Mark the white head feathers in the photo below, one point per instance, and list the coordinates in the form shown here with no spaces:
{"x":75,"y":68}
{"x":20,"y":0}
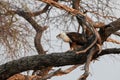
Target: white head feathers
{"x":64,"y":37}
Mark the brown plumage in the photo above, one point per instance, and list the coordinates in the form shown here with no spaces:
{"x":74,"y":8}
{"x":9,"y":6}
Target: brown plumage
{"x":75,"y":39}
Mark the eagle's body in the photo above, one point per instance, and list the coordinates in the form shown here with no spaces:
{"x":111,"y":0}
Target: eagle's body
{"x":75,"y":39}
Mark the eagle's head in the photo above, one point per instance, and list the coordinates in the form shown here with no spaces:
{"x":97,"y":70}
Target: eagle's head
{"x":64,"y":37}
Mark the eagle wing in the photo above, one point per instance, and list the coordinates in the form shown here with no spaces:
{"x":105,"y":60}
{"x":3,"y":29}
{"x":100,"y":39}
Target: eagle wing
{"x":77,"y":38}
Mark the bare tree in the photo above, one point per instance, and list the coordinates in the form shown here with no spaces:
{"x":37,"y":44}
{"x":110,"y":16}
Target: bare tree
{"x":29,"y":25}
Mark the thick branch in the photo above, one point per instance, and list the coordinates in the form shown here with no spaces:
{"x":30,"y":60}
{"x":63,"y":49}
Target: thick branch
{"x":30,"y":20}
{"x":39,"y":29}
{"x":37,"y":39}
{"x":37,"y":42}
{"x":109,"y":29}
{"x":60,"y":6}
{"x":42,"y":11}
{"x":55,"y":59}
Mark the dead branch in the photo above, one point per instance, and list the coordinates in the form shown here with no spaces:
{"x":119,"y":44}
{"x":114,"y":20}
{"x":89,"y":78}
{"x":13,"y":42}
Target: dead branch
{"x":76,"y":5}
{"x":54,"y":59}
{"x":60,"y":72}
{"x":68,"y":9}
{"x":50,"y":75}
{"x":109,"y":29}
{"x":117,"y":33}
{"x":42,"y":11}
{"x":60,"y":6}
{"x":113,"y":40}
{"x":63,"y":72}
{"x":92,"y":52}
{"x":37,"y":40}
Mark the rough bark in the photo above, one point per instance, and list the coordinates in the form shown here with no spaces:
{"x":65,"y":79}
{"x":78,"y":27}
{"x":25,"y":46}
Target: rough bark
{"x":55,"y":59}
{"x":109,"y":29}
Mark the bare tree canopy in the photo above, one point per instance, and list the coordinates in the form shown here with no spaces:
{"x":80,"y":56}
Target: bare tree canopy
{"x":30,"y":27}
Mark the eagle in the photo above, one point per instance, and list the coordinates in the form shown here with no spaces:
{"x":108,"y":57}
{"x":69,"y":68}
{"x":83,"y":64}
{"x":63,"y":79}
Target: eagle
{"x":76,"y":40}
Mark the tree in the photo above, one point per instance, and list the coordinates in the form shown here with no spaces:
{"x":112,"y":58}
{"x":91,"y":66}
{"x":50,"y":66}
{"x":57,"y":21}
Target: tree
{"x":22,"y":21}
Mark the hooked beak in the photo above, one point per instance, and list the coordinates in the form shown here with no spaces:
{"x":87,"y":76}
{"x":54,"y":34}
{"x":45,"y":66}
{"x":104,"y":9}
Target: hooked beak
{"x":58,"y":36}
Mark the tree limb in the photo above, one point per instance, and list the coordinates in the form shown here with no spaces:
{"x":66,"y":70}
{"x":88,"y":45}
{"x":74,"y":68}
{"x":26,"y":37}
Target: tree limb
{"x":109,"y":29}
{"x":55,"y":59}
{"x":37,"y":39}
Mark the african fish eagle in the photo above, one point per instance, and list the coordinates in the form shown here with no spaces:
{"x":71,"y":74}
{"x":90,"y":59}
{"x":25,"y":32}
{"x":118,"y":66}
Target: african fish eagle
{"x":75,"y":39}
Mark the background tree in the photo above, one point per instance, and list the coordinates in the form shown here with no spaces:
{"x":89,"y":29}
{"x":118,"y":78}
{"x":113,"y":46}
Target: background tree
{"x":31,"y":27}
